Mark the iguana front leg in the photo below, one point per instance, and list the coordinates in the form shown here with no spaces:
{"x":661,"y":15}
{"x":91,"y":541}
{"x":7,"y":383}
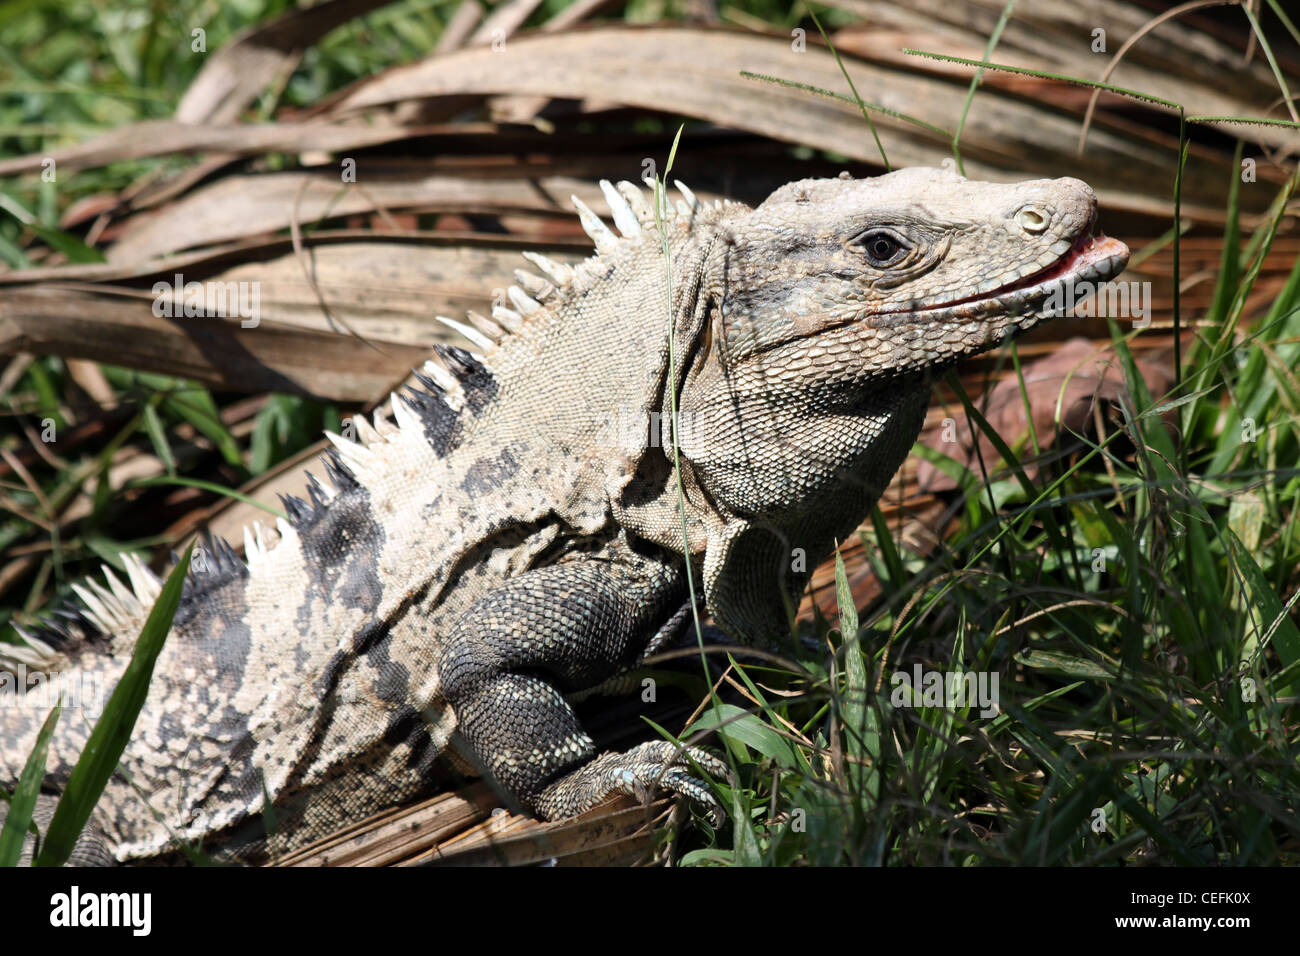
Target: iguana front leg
{"x":514,"y":654}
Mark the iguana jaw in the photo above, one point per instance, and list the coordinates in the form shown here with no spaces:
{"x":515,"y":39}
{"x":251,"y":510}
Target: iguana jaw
{"x":947,"y":332}
{"x":1091,"y":259}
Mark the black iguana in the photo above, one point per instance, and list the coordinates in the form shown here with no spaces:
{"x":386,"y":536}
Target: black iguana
{"x":513,"y":533}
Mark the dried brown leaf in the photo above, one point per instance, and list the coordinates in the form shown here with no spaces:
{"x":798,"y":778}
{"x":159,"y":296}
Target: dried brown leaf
{"x":236,"y":207}
{"x":387,"y":291}
{"x":236,"y":74}
{"x":695,"y":71}
{"x":168,"y":137}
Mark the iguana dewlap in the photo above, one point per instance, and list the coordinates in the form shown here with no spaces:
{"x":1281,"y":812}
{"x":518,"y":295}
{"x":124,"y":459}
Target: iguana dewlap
{"x":512,"y":532}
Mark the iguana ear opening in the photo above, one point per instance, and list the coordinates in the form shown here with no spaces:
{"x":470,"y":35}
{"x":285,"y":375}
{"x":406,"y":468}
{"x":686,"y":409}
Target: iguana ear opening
{"x":741,"y":562}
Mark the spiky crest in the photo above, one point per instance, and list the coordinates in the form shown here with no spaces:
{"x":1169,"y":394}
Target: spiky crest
{"x":452,"y":383}
{"x":632,"y":210}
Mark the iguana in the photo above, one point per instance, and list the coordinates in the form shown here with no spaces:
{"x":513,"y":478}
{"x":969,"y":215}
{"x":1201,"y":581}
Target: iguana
{"x":514,"y":533}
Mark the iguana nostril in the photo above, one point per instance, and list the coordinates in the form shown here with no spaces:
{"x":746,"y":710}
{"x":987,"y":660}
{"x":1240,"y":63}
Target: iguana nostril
{"x":1031,"y":219}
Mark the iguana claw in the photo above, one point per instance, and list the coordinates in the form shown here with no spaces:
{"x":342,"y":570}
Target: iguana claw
{"x":640,"y":772}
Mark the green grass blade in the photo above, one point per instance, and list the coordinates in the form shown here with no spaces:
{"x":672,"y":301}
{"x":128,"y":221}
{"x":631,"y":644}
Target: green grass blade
{"x":853,"y":89}
{"x":1047,"y":75}
{"x":70,"y":246}
{"x":1274,"y":617}
{"x":736,"y":726}
{"x":938,"y":131}
{"x":19,"y":819}
{"x":113,"y":729}
{"x":153,"y":426}
{"x":208,"y":486}
{"x":994,"y":37}
{"x":1225,"y":289}
{"x":895,"y":574}
{"x":196,"y":406}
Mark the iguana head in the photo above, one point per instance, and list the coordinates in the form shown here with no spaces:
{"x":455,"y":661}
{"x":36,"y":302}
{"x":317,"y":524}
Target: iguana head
{"x":830,"y":308}
{"x":922,"y":265}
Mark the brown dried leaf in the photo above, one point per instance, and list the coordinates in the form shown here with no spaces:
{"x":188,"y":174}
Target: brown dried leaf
{"x":241,"y":206}
{"x":236,"y":74}
{"x":168,"y":137}
{"x":387,"y":291}
{"x":118,"y":326}
{"x":504,"y":21}
{"x":1178,"y":61}
{"x":695,"y":71}
{"x":459,"y":27}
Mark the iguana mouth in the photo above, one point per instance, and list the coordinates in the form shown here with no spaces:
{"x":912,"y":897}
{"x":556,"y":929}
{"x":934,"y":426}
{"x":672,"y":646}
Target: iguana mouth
{"x":1090,"y":259}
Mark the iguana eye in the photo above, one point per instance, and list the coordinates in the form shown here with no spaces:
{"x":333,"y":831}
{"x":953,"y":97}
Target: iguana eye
{"x":881,"y":248}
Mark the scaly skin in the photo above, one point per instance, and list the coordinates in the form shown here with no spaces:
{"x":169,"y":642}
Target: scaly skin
{"x":516,"y":535}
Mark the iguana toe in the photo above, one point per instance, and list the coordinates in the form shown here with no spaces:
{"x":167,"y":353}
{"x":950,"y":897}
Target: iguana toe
{"x":640,"y":772}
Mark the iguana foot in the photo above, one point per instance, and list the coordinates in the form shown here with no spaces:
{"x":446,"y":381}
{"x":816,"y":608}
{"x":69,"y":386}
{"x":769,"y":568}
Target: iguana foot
{"x":640,"y":772}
